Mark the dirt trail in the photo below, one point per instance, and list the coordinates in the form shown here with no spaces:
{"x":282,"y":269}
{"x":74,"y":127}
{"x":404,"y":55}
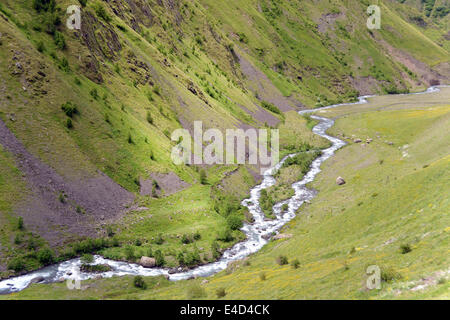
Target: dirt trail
{"x":98,"y":199}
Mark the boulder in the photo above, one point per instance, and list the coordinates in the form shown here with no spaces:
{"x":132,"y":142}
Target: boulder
{"x":357,"y":140}
{"x":340,"y":181}
{"x":147,"y":262}
{"x":37,"y":279}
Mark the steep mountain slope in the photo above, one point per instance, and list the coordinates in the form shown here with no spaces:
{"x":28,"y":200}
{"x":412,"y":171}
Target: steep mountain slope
{"x":93,"y":109}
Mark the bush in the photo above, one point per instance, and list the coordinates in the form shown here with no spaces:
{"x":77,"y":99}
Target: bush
{"x":44,"y":5}
{"x":20,"y":225}
{"x":101,"y":13}
{"x":186,"y":239}
{"x":69,"y":109}
{"x":159,"y":239}
{"x":225,"y":236}
{"x":45,"y":256}
{"x":16,"y":264}
{"x":149,"y":118}
{"x":96,"y":268}
{"x":40,"y":46}
{"x":159,"y":257}
{"x":87,"y":258}
{"x":282,"y":260}
{"x":234,"y":222}
{"x":262,"y":276}
{"x":388,"y":274}
{"x":129,"y":253}
{"x":220,"y":292}
{"x":109,"y":231}
{"x":139,"y":282}
{"x":271,"y":107}
{"x":60,"y":41}
{"x":405,"y":248}
{"x":203,"y":179}
{"x":215,"y":250}
{"x":94,"y":93}
{"x":69,"y":123}
{"x":295,"y":263}
{"x":65,"y":65}
{"x":197,"y":236}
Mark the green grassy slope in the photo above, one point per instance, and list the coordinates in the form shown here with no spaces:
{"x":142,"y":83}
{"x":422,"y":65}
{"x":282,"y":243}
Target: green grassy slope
{"x":395,"y":196}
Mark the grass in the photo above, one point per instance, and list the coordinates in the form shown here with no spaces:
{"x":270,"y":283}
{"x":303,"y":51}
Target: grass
{"x":335,"y":238}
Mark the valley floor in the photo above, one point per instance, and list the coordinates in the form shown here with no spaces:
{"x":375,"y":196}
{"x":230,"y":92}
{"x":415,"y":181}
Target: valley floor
{"x":392,"y":212}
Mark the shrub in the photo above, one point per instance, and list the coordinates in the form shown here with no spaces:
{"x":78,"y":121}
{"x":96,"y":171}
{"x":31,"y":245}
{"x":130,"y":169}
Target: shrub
{"x":18,"y":239}
{"x":137,"y":243}
{"x":16,"y":264}
{"x":215,"y":250}
{"x":60,"y":41}
{"x":20,"y":225}
{"x":186,"y":239}
{"x":69,"y":123}
{"x":157,"y":90}
{"x":234,"y":222}
{"x":62,"y":197}
{"x":225,"y":235}
{"x":159,"y":257}
{"x":203,"y":179}
{"x":94,"y":93}
{"x":405,"y":248}
{"x":282,"y":260}
{"x":44,"y":5}
{"x":69,"y":109}
{"x":109,"y":231}
{"x":129,"y":253}
{"x":101,"y":13}
{"x":195,"y":291}
{"x":65,"y":65}
{"x":159,"y":239}
{"x":139,"y":282}
{"x":45,"y":256}
{"x":220,"y":292}
{"x":83,"y":2}
{"x":271,"y":107}
{"x":262,"y":276}
{"x":388,"y":274}
{"x":96,"y":268}
{"x":87,"y":258}
{"x":130,"y":138}
{"x":295,"y":263}
{"x":197,"y":236}
{"x":149,"y":118}
{"x":40,"y":46}
{"x":180,"y":259}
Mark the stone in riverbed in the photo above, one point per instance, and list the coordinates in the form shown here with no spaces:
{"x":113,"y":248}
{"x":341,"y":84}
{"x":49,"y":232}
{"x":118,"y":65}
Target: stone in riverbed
{"x":340,"y":181}
{"x":147,"y":262}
